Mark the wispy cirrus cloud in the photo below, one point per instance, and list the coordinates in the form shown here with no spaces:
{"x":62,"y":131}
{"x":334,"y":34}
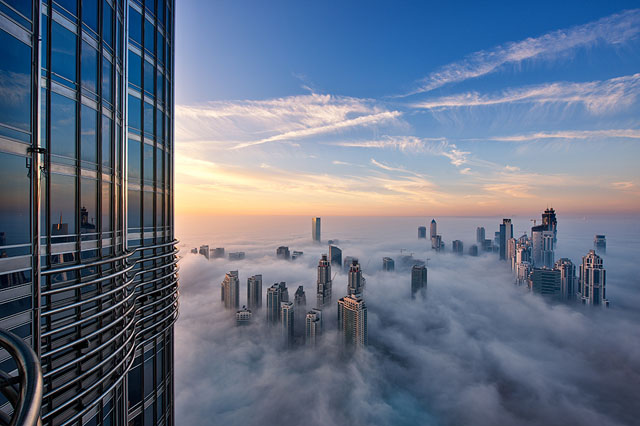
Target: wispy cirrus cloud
{"x":597,"y":96}
{"x":572,"y":135}
{"x":611,"y":30}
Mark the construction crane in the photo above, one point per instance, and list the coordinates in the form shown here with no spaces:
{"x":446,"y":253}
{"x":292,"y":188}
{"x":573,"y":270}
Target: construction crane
{"x":534,"y":221}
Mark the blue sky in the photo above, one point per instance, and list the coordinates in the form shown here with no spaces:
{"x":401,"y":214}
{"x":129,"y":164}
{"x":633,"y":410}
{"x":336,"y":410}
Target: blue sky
{"x":407,"y":108}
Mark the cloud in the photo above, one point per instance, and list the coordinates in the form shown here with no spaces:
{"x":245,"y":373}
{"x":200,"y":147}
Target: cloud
{"x":597,"y":97}
{"x":612,"y":30}
{"x":478,"y":350}
{"x":573,"y":135}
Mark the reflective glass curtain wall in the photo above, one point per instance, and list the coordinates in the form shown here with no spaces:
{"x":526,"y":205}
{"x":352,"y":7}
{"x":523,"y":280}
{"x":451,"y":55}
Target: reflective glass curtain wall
{"x":88,"y":271}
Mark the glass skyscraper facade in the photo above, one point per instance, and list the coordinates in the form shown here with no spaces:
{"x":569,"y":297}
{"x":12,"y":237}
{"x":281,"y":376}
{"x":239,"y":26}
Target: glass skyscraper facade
{"x":88,"y":272}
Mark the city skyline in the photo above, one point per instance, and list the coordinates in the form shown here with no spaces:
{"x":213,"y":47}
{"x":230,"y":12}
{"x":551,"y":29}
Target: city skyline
{"x":498,"y":123}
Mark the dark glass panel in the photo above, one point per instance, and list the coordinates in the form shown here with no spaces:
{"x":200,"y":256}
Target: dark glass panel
{"x":21,"y":6}
{"x":159,"y":126}
{"x":133,"y":159}
{"x":148,"y":377}
{"x":63,"y":126}
{"x":149,"y":36}
{"x":148,"y":209}
{"x":106,"y":207}
{"x":69,"y":5}
{"x":14,"y":208}
{"x":15,"y":86}
{"x":159,"y":209}
{"x":44,"y":52}
{"x":90,"y":14}
{"x":63,"y":201}
{"x":88,"y":205}
{"x":118,"y":38}
{"x":89,"y":134}
{"x":89,"y":67}
{"x":160,"y":48}
{"x":107,"y":79}
{"x":148,"y":118}
{"x":161,"y":9}
{"x":159,"y":86}
{"x":106,"y":141}
{"x":135,"y":69}
{"x":150,"y":5}
{"x":135,"y":385}
{"x":135,"y":113}
{"x":107,"y":20}
{"x":63,"y":52}
{"x":149,"y":73}
{"x":15,"y":306}
{"x":135,"y":26}
{"x":159,"y":168}
{"x":148,"y":163}
{"x":133,"y":216}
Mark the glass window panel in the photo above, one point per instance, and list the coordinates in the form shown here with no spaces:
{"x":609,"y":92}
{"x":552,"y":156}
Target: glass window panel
{"x":106,"y":207}
{"x":159,"y":126}
{"x":135,"y":112}
{"x":150,"y":5}
{"x":63,"y":201}
{"x":149,"y":73}
{"x":148,"y":414}
{"x":14,"y":208}
{"x":89,"y":134}
{"x":160,"y":47}
{"x":134,"y":159}
{"x":107,"y":79}
{"x":43,"y":117}
{"x":149,"y":36}
{"x":148,"y":377}
{"x":90,"y":14}
{"x":159,"y":167}
{"x":159,"y":86}
{"x":118,"y":149}
{"x":135,"y":69}
{"x":118,"y":38}
{"x":161,"y":12}
{"x":63,"y":126}
{"x":21,"y":6}
{"x":89,"y":67}
{"x":148,"y":209}
{"x":69,"y":5}
{"x":133,"y":216}
{"x":148,"y":118}
{"x":159,"y":209}
{"x":148,"y":163}
{"x":45,"y":42}
{"x":89,"y":205}
{"x":106,"y":141}
{"x":135,"y":385}
{"x":135,"y":26}
{"x":107,"y":20}
{"x":63,"y":52}
{"x":15,"y":86}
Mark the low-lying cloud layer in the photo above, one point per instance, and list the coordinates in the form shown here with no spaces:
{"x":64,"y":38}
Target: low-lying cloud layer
{"x":478,"y":350}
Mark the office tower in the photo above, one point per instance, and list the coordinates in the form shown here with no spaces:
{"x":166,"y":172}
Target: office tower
{"x":282,"y":252}
{"x":487,"y":245}
{"x":422,"y":232}
{"x":238,"y":255}
{"x":548,"y":240}
{"x":511,"y":251}
{"x":323,"y":283}
{"x":545,"y":281}
{"x":81,"y":128}
{"x":567,"y":278}
{"x":274,"y":297}
{"x":356,"y":281}
{"x":315,"y":229}
{"x":287,"y":316}
{"x":296,"y":254}
{"x":348,"y":260}
{"x":299,"y":297}
{"x":522,"y":272}
{"x":542,"y":247}
{"x":254,"y":292}
{"x":194,"y":251}
{"x":388,"y":264}
{"x":335,"y":255}
{"x":418,"y":280}
{"x":352,"y":321}
{"x":433,"y":229}
{"x":458,"y":247}
{"x":313,"y":326}
{"x":218,"y":252}
{"x":437,"y":244}
{"x":551,"y":223}
{"x":473,"y":250}
{"x":230,"y":289}
{"x":243,"y":316}
{"x":592,"y":281}
{"x":480,"y":235}
{"x":600,"y":244}
{"x":300,"y":303}
{"x":506,"y":233}
{"x":204,"y":250}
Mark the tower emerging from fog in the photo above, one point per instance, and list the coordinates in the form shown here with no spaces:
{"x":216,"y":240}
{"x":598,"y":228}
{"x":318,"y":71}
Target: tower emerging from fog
{"x":352,"y":321}
{"x":480,"y":235}
{"x":356,"y":281}
{"x":506,"y":233}
{"x":313,"y":326}
{"x":276,"y":294}
{"x":388,"y":264}
{"x":593,"y":280}
{"x":287,"y":319}
{"x":335,"y":256}
{"x":600,"y":244}
{"x":230,"y":290}
{"x":315,"y":229}
{"x":418,"y":280}
{"x":323,"y":284}
{"x":422,"y":232}
{"x":567,"y":278}
{"x":433,"y":229}
{"x":254,"y":292}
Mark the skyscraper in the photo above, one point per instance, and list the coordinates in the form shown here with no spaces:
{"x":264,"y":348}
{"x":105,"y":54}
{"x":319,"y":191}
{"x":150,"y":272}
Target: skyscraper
{"x":86,"y":158}
{"x":254,"y":292}
{"x":335,"y":255}
{"x":600,"y":244}
{"x":282,"y":252}
{"x":480,"y":235}
{"x":457,"y":247}
{"x":243,"y":316}
{"x":323,"y":284}
{"x":348,"y":260}
{"x":418,"y":280}
{"x":593,"y":280}
{"x":300,"y":298}
{"x":545,"y":281}
{"x":313,"y":326}
{"x":287,"y":319}
{"x":204,"y":250}
{"x":567,"y":278}
{"x":274,"y":297}
{"x":422,"y":232}
{"x":352,"y":321}
{"x":550,"y":221}
{"x":388,"y":264}
{"x":433,"y":229}
{"x":473,"y":250}
{"x":356,"y":281}
{"x":315,"y":229}
{"x":230,"y":289}
{"x":506,"y":232}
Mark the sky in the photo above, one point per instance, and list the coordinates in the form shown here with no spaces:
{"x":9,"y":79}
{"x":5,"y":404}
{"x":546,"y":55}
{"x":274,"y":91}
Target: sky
{"x":476,"y":350}
{"x":407,"y":108}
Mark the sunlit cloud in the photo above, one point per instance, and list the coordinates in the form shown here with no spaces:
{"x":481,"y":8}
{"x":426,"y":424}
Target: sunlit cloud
{"x":612,"y":30}
{"x":572,"y":135}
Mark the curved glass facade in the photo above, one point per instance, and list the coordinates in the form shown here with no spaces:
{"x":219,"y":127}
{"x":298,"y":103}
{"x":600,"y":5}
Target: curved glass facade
{"x":88,"y":271}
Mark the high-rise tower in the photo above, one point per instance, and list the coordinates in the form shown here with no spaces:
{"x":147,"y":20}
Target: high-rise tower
{"x":593,"y":280}
{"x":230,"y":290}
{"x":352,"y":321}
{"x":86,"y":158}
{"x":418,"y":280}
{"x":254,"y":292}
{"x":313,"y":326}
{"x":480,"y":235}
{"x":506,"y":233}
{"x":315,"y":229}
{"x":287,"y":320}
{"x":356,"y":281}
{"x":276,"y":294}
{"x":323,"y":284}
{"x":335,"y":256}
{"x":567,"y":278}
